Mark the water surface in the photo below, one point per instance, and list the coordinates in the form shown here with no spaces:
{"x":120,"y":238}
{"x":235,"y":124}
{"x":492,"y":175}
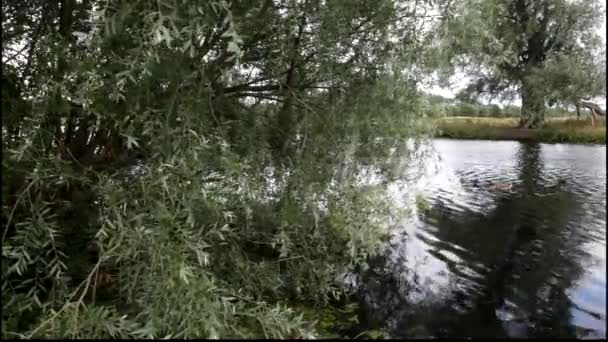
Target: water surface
{"x":485,"y":263}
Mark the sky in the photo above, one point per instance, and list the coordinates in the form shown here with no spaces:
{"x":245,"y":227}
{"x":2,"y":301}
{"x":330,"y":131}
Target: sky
{"x":460,"y":80}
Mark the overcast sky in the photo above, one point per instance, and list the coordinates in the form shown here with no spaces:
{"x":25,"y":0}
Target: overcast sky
{"x":460,"y":80}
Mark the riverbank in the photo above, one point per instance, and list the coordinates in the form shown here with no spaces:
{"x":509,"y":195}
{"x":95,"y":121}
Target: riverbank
{"x":555,"y":130}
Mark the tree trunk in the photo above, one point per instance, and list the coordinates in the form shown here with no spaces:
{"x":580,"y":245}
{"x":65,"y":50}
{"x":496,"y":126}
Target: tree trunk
{"x":532,"y":106}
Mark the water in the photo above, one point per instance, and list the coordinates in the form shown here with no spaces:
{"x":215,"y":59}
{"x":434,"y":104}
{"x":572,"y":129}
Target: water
{"x":485,"y":263}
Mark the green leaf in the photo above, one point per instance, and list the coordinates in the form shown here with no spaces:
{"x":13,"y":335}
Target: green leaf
{"x":375,"y":334}
{"x":131,"y":141}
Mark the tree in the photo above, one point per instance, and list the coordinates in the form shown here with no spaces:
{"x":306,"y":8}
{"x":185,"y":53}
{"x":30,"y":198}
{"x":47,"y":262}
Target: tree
{"x":495,"y":111}
{"x":514,"y":46}
{"x":572,"y":79}
{"x":207,"y":154}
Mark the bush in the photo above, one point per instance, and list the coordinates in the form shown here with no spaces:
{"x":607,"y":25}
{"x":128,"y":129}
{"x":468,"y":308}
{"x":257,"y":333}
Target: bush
{"x":495,"y":111}
{"x":466,"y":109}
{"x":151,"y":189}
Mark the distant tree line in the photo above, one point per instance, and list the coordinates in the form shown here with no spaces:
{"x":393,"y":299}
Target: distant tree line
{"x":436,"y":105}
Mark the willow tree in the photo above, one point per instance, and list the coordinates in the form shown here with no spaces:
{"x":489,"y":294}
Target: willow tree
{"x":511,"y":46}
{"x":572,"y":80}
{"x":205,"y":155}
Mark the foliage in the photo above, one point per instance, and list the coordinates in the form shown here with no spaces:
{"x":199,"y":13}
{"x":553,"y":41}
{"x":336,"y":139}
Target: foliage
{"x":495,"y":111}
{"x":572,"y":78}
{"x":422,"y":204}
{"x":186,"y":168}
{"x":556,"y":130}
{"x":529,"y":48}
{"x":440,"y":106}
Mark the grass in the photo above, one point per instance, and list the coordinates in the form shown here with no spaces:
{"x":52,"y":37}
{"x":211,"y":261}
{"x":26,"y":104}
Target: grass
{"x":555,"y":130}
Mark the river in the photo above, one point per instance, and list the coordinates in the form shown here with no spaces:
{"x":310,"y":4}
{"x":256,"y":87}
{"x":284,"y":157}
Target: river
{"x":477,"y":262}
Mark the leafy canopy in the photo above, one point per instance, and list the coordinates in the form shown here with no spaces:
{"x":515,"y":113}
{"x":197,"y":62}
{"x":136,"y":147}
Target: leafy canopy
{"x":193,"y":168}
{"x":539,"y":50}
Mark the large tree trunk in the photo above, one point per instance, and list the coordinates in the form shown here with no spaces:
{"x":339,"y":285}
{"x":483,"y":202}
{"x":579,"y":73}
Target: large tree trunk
{"x":532,"y":106}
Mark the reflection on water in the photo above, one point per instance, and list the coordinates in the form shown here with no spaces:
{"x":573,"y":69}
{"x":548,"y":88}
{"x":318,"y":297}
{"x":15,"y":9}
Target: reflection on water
{"x":484,"y":263}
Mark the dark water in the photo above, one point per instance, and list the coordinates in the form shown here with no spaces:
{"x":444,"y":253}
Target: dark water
{"x":485,"y":263}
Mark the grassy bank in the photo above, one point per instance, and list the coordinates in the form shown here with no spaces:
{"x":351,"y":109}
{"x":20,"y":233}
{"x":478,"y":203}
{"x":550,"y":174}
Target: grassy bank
{"x":564,"y":129}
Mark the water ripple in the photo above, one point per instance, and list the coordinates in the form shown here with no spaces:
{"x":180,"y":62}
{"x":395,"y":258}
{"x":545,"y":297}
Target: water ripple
{"x":531,"y":260}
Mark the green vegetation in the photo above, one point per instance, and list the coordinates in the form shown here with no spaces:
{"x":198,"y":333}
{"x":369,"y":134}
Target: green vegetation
{"x":192,"y":169}
{"x":435,"y":105}
{"x":458,"y":119}
{"x":555,"y":130}
{"x":422,"y":204}
{"x":331,"y":322}
{"x":544,"y":51}
{"x":189,"y":169}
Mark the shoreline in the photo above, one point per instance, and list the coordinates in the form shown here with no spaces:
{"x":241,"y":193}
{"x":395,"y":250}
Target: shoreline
{"x":556,"y":130}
